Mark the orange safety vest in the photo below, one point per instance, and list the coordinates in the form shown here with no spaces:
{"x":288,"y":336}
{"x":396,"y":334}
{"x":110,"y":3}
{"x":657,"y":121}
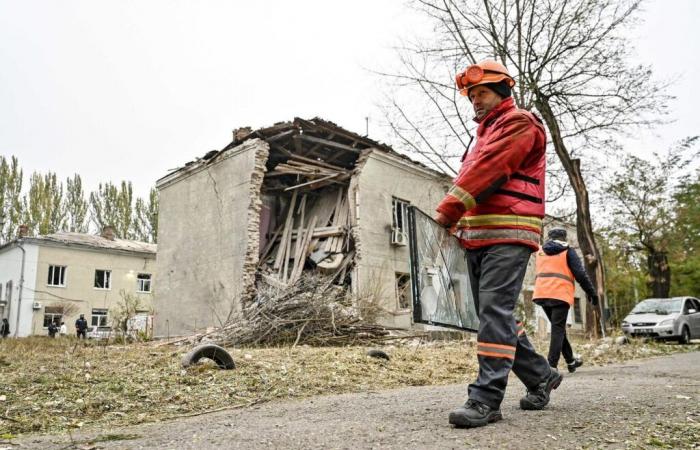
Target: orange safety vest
{"x":554,"y":279}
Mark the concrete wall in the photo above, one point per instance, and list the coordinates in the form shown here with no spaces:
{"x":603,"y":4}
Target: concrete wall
{"x":80,"y":281}
{"x":382,"y":178}
{"x":19,"y":315}
{"x":203,"y":243}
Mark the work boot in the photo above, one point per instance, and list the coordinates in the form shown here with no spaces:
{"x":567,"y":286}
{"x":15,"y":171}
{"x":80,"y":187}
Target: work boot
{"x":577,"y":362}
{"x":474,"y":414}
{"x":539,"y":397}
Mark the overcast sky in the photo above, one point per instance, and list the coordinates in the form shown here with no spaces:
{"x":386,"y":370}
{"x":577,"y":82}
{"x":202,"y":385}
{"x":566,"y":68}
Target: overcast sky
{"x":118,"y":90}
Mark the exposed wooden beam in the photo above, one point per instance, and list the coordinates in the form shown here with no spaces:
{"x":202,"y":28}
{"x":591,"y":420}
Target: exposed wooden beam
{"x":328,"y":143}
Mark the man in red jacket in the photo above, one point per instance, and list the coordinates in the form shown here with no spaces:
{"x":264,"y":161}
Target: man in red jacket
{"x":495,"y":207}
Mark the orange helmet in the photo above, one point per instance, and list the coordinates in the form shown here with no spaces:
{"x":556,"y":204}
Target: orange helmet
{"x":487,"y":71}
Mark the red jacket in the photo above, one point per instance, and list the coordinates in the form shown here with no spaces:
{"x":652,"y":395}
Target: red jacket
{"x":498,"y":195}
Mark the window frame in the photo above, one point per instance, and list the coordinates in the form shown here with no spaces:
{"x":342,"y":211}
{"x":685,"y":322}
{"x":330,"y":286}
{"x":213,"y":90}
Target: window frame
{"x":100,"y":317}
{"x":399,"y":207}
{"x":400,"y":277}
{"x":62,"y":276}
{"x":140,"y":282}
{"x":53,"y":315}
{"x":107,"y":276}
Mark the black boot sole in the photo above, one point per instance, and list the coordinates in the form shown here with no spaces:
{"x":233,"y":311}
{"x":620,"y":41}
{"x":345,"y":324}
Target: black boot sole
{"x":459,"y":421}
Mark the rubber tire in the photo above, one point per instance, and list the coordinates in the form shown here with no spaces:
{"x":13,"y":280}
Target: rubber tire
{"x":219,"y":355}
{"x":375,"y":353}
{"x":685,"y":336}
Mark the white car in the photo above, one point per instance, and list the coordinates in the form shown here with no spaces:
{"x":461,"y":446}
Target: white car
{"x":99,"y":332}
{"x":676,"y":318}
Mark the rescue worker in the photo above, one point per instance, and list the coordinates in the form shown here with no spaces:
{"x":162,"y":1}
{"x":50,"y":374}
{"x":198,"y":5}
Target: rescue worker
{"x":81,"y":326}
{"x":557,"y":266}
{"x":495,"y":207}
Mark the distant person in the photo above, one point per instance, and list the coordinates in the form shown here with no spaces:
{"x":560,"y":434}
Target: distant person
{"x":63,"y":331}
{"x":4,"y":328}
{"x":81,"y":327}
{"x":53,"y":329}
{"x":557,"y":267}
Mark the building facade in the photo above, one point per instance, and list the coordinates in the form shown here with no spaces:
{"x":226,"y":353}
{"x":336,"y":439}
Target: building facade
{"x":57,"y":277}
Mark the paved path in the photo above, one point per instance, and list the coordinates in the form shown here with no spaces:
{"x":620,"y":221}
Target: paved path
{"x":616,"y":406}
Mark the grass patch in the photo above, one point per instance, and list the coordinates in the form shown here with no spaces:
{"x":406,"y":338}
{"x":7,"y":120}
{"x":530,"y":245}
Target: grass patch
{"x":53,"y":385}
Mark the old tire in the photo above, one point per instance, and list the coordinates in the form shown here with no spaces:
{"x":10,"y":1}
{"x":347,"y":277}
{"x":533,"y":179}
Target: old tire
{"x":685,"y":336}
{"x":219,"y":355}
{"x":375,"y":353}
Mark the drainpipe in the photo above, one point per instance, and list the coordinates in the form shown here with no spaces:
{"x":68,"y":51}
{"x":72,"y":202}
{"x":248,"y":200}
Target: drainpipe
{"x":21,"y":287}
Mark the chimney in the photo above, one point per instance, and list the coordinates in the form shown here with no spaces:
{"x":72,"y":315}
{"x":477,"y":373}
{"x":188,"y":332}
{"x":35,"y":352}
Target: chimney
{"x":108,"y":232}
{"x":22,"y":231}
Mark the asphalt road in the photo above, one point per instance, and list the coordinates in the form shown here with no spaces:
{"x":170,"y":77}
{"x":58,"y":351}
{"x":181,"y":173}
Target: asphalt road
{"x":643,"y":403}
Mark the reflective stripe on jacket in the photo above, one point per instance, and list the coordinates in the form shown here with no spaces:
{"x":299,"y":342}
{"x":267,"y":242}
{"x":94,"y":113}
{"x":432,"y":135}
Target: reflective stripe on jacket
{"x":498,"y":195}
{"x":553,"y":278}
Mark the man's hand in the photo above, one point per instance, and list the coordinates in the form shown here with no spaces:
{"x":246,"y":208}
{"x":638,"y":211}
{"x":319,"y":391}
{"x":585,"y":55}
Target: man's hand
{"x":593,"y":299}
{"x":442,"y":220}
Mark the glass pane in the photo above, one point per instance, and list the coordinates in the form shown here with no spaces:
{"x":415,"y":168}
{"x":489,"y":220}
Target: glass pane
{"x":440,"y":282}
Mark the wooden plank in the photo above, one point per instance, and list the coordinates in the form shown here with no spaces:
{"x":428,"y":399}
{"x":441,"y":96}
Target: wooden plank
{"x":304,"y":251}
{"x":310,"y":182}
{"x":316,"y":163}
{"x":281,"y":135}
{"x":287,"y":231}
{"x":319,"y":232}
{"x":327,"y":143}
{"x":269,"y":245}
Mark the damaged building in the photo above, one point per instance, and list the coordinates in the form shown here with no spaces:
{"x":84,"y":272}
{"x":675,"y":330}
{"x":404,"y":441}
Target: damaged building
{"x":281,"y":202}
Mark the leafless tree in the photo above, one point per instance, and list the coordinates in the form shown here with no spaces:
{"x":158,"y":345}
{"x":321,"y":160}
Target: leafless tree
{"x":570,"y":60}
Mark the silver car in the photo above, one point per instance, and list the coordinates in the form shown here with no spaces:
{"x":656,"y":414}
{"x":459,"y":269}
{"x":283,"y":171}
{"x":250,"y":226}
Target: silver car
{"x":676,"y":318}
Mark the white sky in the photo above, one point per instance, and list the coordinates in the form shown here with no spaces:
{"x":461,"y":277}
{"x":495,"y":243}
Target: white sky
{"x":118,"y":90}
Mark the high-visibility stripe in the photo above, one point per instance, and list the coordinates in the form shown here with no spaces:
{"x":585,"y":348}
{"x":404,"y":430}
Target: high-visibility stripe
{"x":488,"y":234}
{"x":463,"y":196}
{"x":495,"y":350}
{"x":509,"y":220}
{"x":495,"y":355}
{"x":499,"y":346}
{"x":555,"y":275}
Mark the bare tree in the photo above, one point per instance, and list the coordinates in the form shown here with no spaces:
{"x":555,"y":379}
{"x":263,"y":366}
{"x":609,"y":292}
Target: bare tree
{"x":570,"y":62}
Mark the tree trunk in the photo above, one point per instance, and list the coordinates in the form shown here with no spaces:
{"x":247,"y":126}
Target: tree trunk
{"x":659,"y":274}
{"x":584,"y":228}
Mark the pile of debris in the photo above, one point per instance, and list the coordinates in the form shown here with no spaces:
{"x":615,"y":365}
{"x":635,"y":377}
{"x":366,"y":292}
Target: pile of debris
{"x":313,"y":311}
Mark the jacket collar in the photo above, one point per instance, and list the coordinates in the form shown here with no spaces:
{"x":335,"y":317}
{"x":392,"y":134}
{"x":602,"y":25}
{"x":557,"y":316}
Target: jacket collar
{"x":506,"y":105}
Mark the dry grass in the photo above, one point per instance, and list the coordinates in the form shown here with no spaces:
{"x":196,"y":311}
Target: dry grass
{"x":54,"y":385}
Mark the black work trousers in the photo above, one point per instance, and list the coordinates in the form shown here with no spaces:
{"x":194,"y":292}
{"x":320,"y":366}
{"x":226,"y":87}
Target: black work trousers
{"x":497,"y":274}
{"x":557,"y":311}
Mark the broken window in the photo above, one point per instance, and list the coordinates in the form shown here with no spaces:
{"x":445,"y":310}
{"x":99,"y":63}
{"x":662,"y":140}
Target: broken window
{"x":103,"y":279}
{"x":53,"y":314}
{"x":57,"y":276}
{"x":143,"y":282}
{"x":439,"y":276}
{"x":99,"y":317}
{"x":403,"y":290}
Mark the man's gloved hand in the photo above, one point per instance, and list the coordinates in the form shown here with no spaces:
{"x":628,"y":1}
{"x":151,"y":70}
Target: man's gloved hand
{"x":442,"y":220}
{"x":593,"y":299}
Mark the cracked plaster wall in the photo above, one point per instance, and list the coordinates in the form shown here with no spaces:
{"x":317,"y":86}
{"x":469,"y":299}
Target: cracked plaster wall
{"x":207,"y":246}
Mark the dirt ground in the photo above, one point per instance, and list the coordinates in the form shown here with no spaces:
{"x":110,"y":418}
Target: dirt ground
{"x":651,"y":403}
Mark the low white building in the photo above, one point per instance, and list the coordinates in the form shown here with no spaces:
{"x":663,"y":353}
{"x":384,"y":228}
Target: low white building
{"x":57,"y":277}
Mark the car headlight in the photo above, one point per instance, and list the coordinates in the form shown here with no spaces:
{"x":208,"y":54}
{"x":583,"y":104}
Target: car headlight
{"x":666,"y":322}
{"x":625,"y":324}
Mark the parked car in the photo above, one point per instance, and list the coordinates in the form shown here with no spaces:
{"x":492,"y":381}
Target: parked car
{"x":99,"y":332}
{"x":676,"y":318}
